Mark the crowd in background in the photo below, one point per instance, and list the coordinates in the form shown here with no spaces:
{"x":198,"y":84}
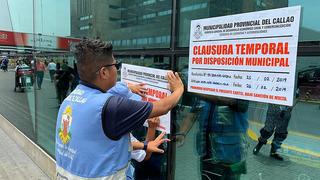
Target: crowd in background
{"x":63,"y":75}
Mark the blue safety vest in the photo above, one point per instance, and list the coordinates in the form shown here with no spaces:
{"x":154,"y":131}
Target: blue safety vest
{"x":226,"y":130}
{"x":82,"y":148}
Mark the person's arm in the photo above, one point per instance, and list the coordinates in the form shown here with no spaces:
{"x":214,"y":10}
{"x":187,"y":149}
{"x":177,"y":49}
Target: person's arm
{"x":185,"y":128}
{"x":165,"y":105}
{"x":56,"y":78}
{"x":187,"y":123}
{"x":120,"y":116}
{"x":44,"y":67}
{"x":153,"y":123}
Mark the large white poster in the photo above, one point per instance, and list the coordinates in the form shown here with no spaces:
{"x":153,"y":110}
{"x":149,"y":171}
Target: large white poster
{"x":248,"y":56}
{"x":156,"y":84}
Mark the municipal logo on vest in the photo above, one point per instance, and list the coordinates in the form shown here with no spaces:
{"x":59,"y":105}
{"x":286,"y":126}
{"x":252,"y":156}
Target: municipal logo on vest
{"x":64,"y":130}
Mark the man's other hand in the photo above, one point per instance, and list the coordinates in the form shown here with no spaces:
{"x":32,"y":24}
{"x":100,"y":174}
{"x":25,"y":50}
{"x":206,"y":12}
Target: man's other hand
{"x":153,"y":145}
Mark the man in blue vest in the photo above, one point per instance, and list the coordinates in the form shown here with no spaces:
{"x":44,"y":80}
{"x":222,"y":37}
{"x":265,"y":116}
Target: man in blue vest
{"x":92,"y":132}
{"x":221,"y":139}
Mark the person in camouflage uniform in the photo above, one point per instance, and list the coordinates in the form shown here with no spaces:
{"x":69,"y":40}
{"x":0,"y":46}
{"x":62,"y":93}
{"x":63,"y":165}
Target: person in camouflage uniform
{"x":277,"y":122}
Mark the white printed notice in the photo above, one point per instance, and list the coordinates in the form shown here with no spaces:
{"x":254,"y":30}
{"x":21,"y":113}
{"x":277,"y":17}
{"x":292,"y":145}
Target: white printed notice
{"x":156,"y":84}
{"x":249,"y":56}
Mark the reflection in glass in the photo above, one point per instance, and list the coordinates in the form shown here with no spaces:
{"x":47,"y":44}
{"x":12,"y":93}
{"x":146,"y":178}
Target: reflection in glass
{"x":190,"y":10}
{"x":128,"y":24}
{"x":295,"y":139}
{"x":309,"y":31}
{"x":17,"y":98}
{"x":156,"y":167}
{"x":58,"y":79}
{"x":221,"y":140}
{"x":17,"y":93}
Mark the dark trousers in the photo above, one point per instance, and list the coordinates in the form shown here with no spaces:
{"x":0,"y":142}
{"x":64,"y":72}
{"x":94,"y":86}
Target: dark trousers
{"x":151,"y":169}
{"x":62,"y":94}
{"x":40,"y":75}
{"x":5,"y":68}
{"x":277,"y":122}
{"x":51,"y":72}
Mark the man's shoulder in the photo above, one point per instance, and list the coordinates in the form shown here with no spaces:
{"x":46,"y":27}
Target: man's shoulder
{"x":124,"y":103}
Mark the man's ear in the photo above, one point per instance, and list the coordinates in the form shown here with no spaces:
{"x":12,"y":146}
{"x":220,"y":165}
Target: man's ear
{"x":104,"y":73}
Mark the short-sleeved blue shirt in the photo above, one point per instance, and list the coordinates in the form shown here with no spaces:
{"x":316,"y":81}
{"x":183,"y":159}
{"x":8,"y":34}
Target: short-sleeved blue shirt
{"x":122,"y":115}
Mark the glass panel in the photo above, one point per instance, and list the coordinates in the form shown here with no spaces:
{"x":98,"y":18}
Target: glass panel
{"x":52,"y":86}
{"x":55,"y":75}
{"x":129,"y":24}
{"x":156,"y":167}
{"x":17,"y":99}
{"x":187,"y":158}
{"x":212,"y":139}
{"x":190,"y":10}
{"x":309,"y":30}
{"x":17,"y":93}
{"x":160,"y":62}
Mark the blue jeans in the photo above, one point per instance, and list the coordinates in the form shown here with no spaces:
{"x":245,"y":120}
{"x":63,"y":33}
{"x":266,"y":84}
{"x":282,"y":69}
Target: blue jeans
{"x":39,"y":75}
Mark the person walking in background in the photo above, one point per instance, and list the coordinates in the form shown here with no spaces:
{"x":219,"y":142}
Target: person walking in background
{"x":40,"y":69}
{"x":62,"y":78}
{"x":76,"y":78}
{"x":4,"y":64}
{"x":1,"y":64}
{"x":58,"y":68}
{"x":32,"y":65}
{"x":276,"y":123}
{"x":52,"y":69}
{"x":46,"y":63}
{"x":65,"y":65}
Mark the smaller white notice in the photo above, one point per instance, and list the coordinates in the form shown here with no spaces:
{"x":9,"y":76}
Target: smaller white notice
{"x":156,"y":84}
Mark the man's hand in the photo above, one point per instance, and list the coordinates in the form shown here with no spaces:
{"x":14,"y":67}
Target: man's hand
{"x":164,"y":105}
{"x":175,"y":81}
{"x":153,"y":122}
{"x":138,"y":89}
{"x":153,"y":145}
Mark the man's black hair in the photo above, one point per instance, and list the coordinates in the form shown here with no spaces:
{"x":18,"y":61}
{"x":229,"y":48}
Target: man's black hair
{"x":92,"y":54}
